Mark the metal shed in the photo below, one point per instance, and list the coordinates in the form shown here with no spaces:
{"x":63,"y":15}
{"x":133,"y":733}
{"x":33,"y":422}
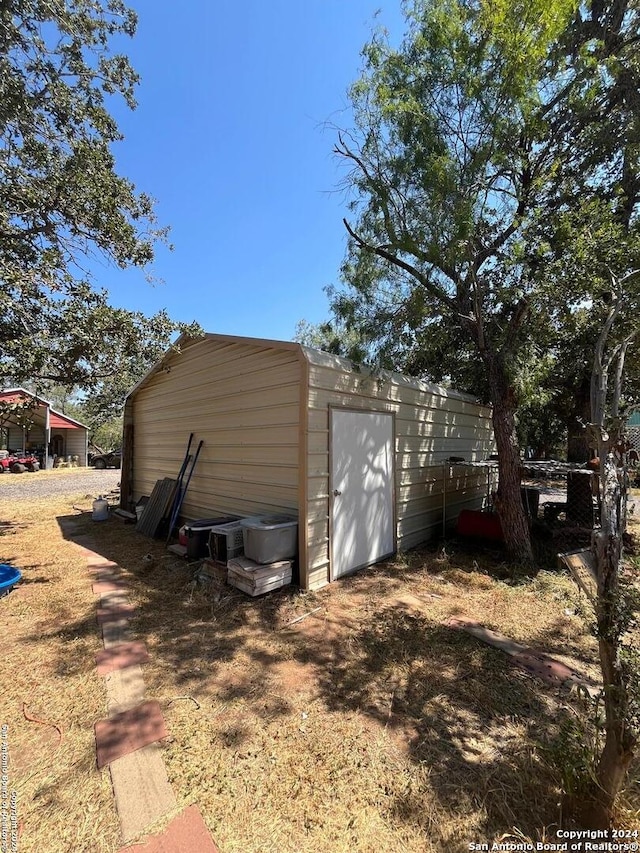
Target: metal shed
{"x":358,"y":456}
{"x":29,"y":422}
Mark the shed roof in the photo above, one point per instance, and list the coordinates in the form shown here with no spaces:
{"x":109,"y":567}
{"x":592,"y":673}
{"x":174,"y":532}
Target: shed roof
{"x":56,"y":419}
{"x":312,"y":356}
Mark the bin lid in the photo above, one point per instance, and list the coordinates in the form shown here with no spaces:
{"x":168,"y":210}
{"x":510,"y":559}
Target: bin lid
{"x":269,"y":522}
{"x":209,"y":522}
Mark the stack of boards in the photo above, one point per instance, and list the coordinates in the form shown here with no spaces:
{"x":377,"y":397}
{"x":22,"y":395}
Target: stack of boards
{"x":255,"y":578}
{"x":249,"y":576}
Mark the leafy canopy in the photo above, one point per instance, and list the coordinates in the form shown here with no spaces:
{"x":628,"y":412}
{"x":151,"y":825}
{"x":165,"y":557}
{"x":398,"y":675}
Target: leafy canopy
{"x":61,"y":199}
{"x":494,"y":167}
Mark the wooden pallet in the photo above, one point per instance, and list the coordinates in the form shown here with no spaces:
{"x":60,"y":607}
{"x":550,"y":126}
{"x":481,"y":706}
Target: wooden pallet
{"x":255,"y":578}
{"x":214,"y":570}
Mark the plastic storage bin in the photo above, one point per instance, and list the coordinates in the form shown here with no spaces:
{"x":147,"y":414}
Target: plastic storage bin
{"x":270,"y":539}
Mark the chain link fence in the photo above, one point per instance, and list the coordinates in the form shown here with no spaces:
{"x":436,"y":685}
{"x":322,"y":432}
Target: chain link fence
{"x":568,"y":503}
{"x":562,"y":500}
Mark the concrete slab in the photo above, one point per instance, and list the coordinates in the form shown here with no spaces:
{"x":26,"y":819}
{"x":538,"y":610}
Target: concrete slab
{"x":123,"y":733}
{"x":108,"y":585}
{"x":125,"y":689}
{"x":116,"y":632}
{"x":186,"y":833}
{"x":112,"y":614}
{"x":114,"y":598}
{"x":142,"y":791}
{"x":121,"y":656}
{"x":95,"y":561}
{"x":106,"y":575}
{"x":114,"y":569}
{"x":69,"y":526}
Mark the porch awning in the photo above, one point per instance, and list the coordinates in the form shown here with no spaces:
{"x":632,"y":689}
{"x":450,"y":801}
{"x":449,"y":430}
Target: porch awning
{"x":60,"y":422}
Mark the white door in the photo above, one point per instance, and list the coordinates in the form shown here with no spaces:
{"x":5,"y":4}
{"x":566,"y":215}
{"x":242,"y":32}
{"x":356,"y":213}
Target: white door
{"x":361,"y":489}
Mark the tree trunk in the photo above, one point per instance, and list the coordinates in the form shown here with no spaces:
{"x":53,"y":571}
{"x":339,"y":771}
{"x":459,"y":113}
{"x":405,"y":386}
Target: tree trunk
{"x":508,"y":503}
{"x":578,"y":449}
{"x":620,"y":740}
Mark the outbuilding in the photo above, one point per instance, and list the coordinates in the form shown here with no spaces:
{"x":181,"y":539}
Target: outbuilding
{"x":29,"y":423}
{"x":360,"y":457}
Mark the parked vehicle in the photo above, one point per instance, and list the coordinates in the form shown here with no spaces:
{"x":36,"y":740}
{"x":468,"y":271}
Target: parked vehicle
{"x":106,"y":460}
{"x":18,"y":463}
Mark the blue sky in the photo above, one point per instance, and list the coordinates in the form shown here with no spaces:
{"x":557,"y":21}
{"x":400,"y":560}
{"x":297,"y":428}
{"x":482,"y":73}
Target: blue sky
{"x":231,"y":137}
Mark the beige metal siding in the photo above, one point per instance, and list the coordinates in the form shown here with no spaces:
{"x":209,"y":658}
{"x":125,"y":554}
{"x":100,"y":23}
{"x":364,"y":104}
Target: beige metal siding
{"x":243,"y":400}
{"x":431,"y":424}
{"x":76,"y":444}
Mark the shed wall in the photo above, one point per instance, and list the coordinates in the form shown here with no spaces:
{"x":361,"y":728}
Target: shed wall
{"x":15,"y":436}
{"x":243,"y":401}
{"x":431,"y":424}
{"x":76,"y":444}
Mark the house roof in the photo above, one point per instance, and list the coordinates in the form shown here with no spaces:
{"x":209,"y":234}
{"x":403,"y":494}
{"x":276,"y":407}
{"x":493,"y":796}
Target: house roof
{"x":56,"y":419}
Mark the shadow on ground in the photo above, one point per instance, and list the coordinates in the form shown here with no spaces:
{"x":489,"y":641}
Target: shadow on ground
{"x":452,"y":705}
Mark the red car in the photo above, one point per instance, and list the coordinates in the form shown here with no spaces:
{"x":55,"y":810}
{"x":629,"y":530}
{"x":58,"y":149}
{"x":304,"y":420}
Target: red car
{"x":18,"y":463}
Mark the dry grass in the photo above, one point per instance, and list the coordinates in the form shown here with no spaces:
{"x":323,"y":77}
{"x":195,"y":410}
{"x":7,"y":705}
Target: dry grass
{"x":368,"y":725}
{"x":49,"y":671}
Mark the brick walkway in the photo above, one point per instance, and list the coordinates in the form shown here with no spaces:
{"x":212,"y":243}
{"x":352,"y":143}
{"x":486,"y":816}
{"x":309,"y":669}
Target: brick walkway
{"x":128,"y":739}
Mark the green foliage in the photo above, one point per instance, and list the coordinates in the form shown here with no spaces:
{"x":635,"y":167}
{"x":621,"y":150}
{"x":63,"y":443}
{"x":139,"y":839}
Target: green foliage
{"x":332,"y":337}
{"x":108,"y":435}
{"x":495,"y":177}
{"x":630,"y":662}
{"x":575,"y":749}
{"x":61,"y":199}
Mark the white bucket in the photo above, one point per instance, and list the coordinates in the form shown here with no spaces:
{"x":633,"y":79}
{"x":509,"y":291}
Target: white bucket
{"x":100,"y":509}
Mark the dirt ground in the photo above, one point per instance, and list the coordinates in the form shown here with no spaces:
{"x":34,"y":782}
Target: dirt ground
{"x":366,"y":725}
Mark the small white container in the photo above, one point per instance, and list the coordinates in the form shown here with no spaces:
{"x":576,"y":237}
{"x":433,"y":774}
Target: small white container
{"x":100,"y":509}
{"x":270,"y":539}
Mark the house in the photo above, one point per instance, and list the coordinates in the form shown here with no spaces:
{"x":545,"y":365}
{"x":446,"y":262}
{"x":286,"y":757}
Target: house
{"x":359,"y":457}
{"x":30,"y":423}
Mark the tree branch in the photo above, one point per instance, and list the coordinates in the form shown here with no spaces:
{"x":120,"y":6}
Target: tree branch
{"x":382,"y":252}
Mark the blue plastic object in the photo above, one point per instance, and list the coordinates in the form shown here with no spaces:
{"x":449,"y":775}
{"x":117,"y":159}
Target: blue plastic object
{"x":9,"y":576}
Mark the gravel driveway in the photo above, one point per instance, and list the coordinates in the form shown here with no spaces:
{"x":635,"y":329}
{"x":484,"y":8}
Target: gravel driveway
{"x":45,"y":484}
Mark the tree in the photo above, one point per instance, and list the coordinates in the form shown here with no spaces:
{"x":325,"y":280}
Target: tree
{"x":618,"y":600}
{"x":584,"y":245}
{"x":61,"y":200}
{"x":472,"y":142}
